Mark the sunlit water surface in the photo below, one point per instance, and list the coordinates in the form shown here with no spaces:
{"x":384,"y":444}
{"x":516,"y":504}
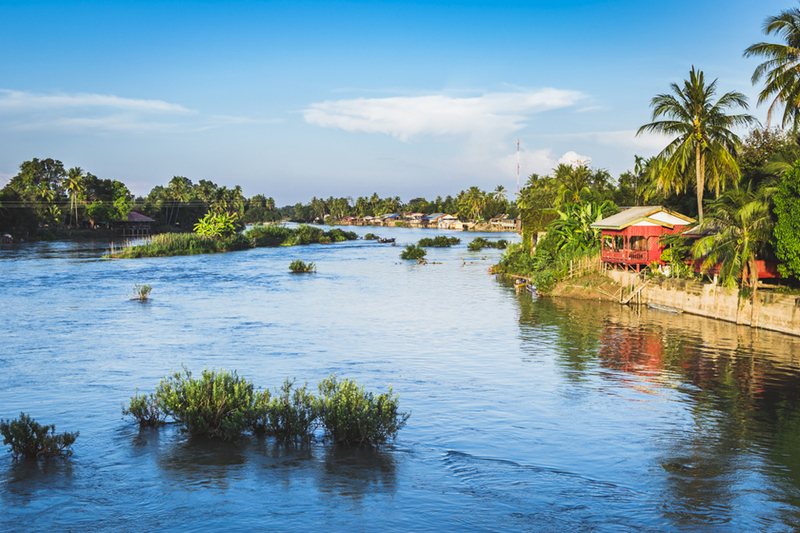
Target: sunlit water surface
{"x":540,"y":415}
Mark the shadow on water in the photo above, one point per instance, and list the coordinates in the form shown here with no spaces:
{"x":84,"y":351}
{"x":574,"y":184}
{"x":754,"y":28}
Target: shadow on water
{"x":357,"y":472}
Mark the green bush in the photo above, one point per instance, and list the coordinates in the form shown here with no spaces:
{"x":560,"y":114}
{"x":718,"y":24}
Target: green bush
{"x":30,"y":439}
{"x":479,"y":243}
{"x":299,"y":267}
{"x":219,"y":405}
{"x":217,"y":224}
{"x":271,"y":235}
{"x":141,"y":292}
{"x":292,"y":414}
{"x":339,"y":235}
{"x":146,"y":409}
{"x":440,"y":241}
{"x":351,"y":416}
{"x":371,"y":237}
{"x":304,"y":234}
{"x":413,"y":252}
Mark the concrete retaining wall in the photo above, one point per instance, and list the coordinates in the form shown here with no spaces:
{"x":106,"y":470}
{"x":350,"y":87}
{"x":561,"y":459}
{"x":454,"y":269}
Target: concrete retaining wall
{"x":776,"y":312}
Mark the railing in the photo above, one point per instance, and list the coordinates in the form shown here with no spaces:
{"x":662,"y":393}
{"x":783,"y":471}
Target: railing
{"x":625,"y":255}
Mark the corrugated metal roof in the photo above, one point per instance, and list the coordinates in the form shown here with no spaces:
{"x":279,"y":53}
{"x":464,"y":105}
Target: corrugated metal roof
{"x":632,"y":215}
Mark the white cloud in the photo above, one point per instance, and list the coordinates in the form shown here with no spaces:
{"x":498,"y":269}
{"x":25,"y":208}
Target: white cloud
{"x":650,"y":143}
{"x":18,"y":101}
{"x":491,"y":115}
{"x":97,"y":113}
{"x":573,"y":159}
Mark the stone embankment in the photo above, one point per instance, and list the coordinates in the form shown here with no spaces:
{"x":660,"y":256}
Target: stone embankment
{"x":776,"y":312}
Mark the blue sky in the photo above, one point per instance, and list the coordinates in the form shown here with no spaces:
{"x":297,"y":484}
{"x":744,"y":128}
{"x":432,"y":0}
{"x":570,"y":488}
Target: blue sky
{"x":301,"y":99}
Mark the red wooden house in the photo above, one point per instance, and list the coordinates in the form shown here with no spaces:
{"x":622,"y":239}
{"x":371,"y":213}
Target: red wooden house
{"x":630,"y":239}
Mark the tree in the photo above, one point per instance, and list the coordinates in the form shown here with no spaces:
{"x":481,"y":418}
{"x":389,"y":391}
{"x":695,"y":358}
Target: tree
{"x":786,"y":238}
{"x":74,"y":187}
{"x":703,"y":133}
{"x":743,"y":225}
{"x":500,"y":193}
{"x":781,"y":70}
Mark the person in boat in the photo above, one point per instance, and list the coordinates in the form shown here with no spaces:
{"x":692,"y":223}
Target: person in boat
{"x":8,"y":239}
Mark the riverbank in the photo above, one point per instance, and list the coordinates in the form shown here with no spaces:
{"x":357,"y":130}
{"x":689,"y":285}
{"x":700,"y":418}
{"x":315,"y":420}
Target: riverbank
{"x":773,"y":311}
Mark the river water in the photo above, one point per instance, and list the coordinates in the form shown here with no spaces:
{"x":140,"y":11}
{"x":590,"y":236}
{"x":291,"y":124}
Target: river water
{"x":527,"y":415}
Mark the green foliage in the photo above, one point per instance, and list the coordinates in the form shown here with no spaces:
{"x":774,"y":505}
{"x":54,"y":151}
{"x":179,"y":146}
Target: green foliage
{"x":352,"y":416}
{"x":413,"y":252}
{"x":340,"y":235}
{"x":146,"y":410}
{"x":304,"y":234}
{"x":479,"y":243}
{"x":30,"y":439}
{"x":141,"y":292}
{"x":572,"y":231}
{"x":545,"y":266}
{"x":217,"y":225}
{"x":786,"y":236}
{"x":292,"y":413}
{"x":678,"y":254}
{"x":271,"y":235}
{"x":440,"y":241}
{"x":220,"y":405}
{"x":371,"y":237}
{"x":299,"y":267}
{"x":170,"y":244}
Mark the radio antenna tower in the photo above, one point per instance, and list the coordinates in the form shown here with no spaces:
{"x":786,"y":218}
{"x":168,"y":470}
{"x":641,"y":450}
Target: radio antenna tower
{"x":517,"y":167}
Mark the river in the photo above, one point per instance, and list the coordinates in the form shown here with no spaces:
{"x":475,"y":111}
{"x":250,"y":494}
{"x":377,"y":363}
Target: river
{"x":527,"y":415}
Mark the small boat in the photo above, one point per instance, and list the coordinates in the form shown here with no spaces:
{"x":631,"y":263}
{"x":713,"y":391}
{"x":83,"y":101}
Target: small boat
{"x":665,"y":308}
{"x":8,"y":239}
{"x":383,"y":240}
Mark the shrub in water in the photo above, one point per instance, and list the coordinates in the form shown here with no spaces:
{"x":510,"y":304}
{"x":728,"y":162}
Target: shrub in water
{"x":272,"y":235}
{"x":219,"y":405}
{"x":339,"y":235}
{"x":291,"y":414}
{"x":350,"y":415}
{"x":141,"y":292}
{"x":371,"y":237}
{"x":413,"y":252}
{"x":146,"y":409}
{"x":299,"y":267}
{"x":304,"y":234}
{"x":478,"y":243}
{"x":28,"y":438}
{"x":440,"y":241}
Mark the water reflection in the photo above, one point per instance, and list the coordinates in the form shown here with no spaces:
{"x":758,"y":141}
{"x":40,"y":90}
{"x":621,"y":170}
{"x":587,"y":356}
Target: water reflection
{"x":739,"y":404}
{"x":356,"y":473}
{"x":200,"y":463}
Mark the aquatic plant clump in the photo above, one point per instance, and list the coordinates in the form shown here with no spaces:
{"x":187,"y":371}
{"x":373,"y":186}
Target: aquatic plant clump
{"x":292,"y":413}
{"x":371,"y":237}
{"x":141,"y":292}
{"x":413,"y":252}
{"x":220,"y":405}
{"x":350,"y":415}
{"x":440,"y":241}
{"x":146,"y":410}
{"x":479,"y":243}
{"x":299,"y":267}
{"x":30,"y":439}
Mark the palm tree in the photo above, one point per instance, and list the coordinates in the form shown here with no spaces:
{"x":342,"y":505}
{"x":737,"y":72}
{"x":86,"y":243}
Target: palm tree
{"x":743,"y":225}
{"x":500,"y":193}
{"x":781,"y":70}
{"x":573,"y":182}
{"x":703,"y":130}
{"x":74,"y":186}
